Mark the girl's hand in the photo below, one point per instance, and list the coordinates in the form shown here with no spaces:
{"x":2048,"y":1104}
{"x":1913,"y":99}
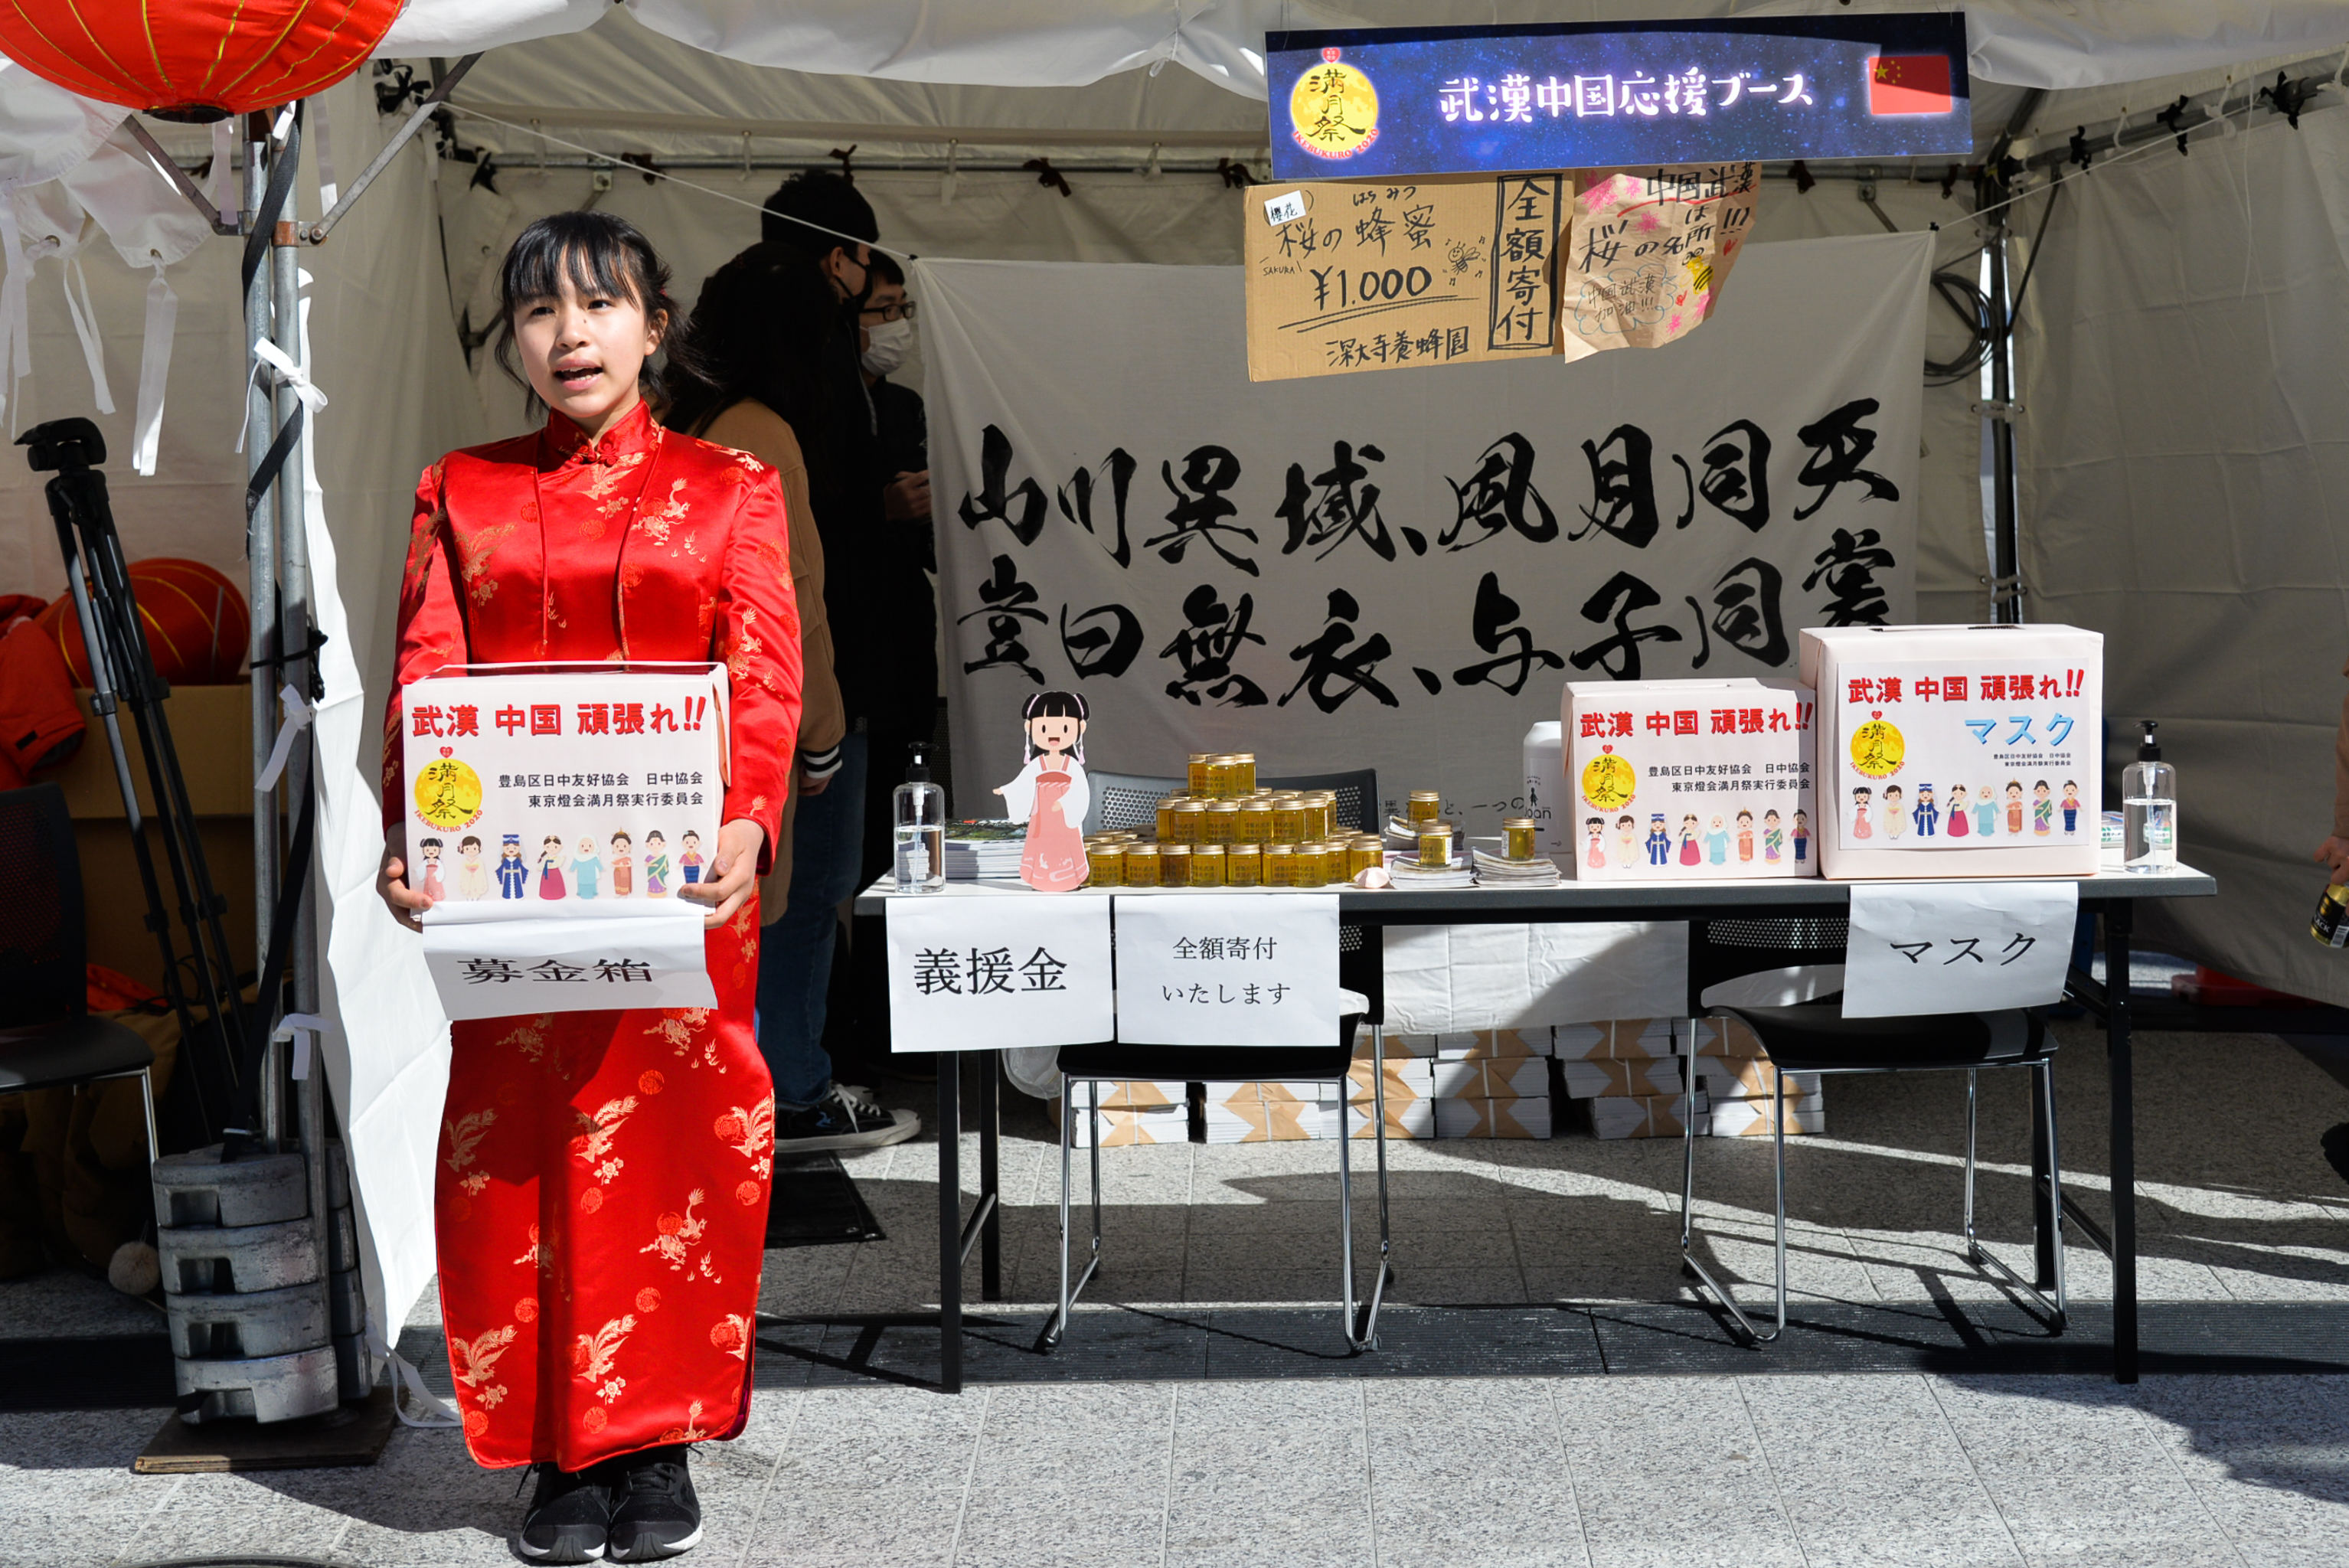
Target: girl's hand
{"x":407,"y":904}
{"x":733,"y":872}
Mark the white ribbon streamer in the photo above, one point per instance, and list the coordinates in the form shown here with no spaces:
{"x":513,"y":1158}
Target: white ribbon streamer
{"x":301,"y":1028}
{"x":290,"y":374}
{"x":298,"y":715}
{"x":224,"y":169}
{"x":322,"y":134}
{"x":155,"y":372}
{"x":85,"y":321}
{"x":16,"y":321}
{"x":438,"y":1412}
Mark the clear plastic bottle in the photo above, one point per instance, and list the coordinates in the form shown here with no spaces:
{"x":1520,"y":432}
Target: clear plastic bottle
{"x":2149,"y":809}
{"x":921,"y":827}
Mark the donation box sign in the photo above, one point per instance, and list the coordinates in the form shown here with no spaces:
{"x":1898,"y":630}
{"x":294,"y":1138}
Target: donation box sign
{"x":1227,"y":969}
{"x":554,"y":817}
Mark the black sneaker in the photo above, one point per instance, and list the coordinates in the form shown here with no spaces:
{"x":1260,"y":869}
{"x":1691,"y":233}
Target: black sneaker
{"x":654,"y":1513}
{"x":847,"y":1117}
{"x":569,"y":1520}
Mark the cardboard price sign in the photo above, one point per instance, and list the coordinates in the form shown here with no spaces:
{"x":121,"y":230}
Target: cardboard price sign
{"x":1350,"y":275}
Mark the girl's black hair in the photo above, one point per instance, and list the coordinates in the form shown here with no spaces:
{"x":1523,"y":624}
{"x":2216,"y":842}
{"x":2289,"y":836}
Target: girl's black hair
{"x":1052,"y":704}
{"x":767,"y":327}
{"x":599,"y":253}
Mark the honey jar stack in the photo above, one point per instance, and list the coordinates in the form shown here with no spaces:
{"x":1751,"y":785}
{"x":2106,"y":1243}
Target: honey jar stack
{"x":1222,"y":830}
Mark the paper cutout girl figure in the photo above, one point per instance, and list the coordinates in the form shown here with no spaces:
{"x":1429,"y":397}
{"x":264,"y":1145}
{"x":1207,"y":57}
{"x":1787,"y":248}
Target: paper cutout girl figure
{"x":1895,"y":812}
{"x":624,"y":865}
{"x":550,"y":867}
{"x":1774,"y":837}
{"x":1927,"y":815}
{"x":2015,"y":806}
{"x":2043,"y":810}
{"x":1959,"y":827}
{"x":1660,"y":842}
{"x":1627,"y":833}
{"x":1746,"y":836}
{"x":513,"y":877}
{"x":1802,"y":837}
{"x":1598,"y":853}
{"x":1986,"y":815}
{"x":1689,"y":855}
{"x":430,"y":850}
{"x":587,"y":869}
{"x":656,"y":865}
{"x":472,"y":876}
{"x":1716,"y":843}
{"x":1859,"y":828}
{"x":688,"y":857}
{"x":1051,"y":795}
{"x":2071,"y":807}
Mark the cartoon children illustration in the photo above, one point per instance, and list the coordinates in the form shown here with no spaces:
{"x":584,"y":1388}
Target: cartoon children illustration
{"x":1716,"y":843}
{"x":1928,"y":816}
{"x":1689,"y":855}
{"x":624,"y":866}
{"x":1895,"y":820}
{"x":1745,"y":835}
{"x":1597,"y":855}
{"x":1627,"y":833}
{"x":550,"y":867}
{"x":1052,"y":794}
{"x":2071,"y":807}
{"x":689,"y":856}
{"x":513,"y":877}
{"x":2015,"y":806}
{"x":656,"y":865}
{"x":586,"y":868}
{"x":1660,"y":842}
{"x":430,"y":850}
{"x":2043,"y":810}
{"x":1959,"y":826}
{"x":1859,"y":828}
{"x":472,"y":876}
{"x":1986,"y":815}
{"x":1802,"y":837}
{"x":1774,"y":836}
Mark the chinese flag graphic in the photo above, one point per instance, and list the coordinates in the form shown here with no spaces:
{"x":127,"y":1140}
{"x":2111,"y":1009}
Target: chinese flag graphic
{"x":1910,"y":84}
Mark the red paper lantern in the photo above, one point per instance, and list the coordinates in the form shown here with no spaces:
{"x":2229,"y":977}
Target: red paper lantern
{"x":196,"y":621}
{"x":195,"y":60}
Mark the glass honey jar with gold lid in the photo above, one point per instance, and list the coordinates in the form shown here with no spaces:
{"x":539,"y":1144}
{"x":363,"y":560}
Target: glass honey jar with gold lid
{"x":1244,"y":865}
{"x":1190,"y":822}
{"x":1223,"y":822}
{"x":1207,"y":865}
{"x":1141,"y":865}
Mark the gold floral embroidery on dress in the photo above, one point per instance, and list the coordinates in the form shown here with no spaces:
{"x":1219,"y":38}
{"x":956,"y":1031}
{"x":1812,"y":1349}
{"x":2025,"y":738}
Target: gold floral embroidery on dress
{"x":693,"y":1431}
{"x":658,"y":524}
{"x":465,"y":1133}
{"x":681,"y":1029}
{"x":473,"y":1362}
{"x":539,"y":1254}
{"x":674,"y":1236}
{"x":731,"y":1333}
{"x":594,"y":1144}
{"x":594,"y":1356}
{"x":423,"y":542}
{"x":601,"y":484}
{"x":473,"y":557}
{"x":751,"y":1134}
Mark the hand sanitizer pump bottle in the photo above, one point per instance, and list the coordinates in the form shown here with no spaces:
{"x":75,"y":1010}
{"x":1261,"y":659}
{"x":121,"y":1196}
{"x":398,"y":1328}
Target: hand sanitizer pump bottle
{"x":2149,"y":808}
{"x":920,"y":809}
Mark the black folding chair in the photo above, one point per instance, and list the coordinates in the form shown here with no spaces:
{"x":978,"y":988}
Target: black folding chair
{"x":47,"y":1037}
{"x":1816,"y":1037}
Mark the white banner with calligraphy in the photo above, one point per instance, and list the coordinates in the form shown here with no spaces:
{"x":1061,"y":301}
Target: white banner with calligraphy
{"x":1400,"y":570}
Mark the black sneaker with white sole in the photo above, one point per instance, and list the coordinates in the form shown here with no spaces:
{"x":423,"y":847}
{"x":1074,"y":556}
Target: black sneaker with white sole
{"x":570,"y":1517}
{"x":849,"y":1118}
{"x":654,"y":1513}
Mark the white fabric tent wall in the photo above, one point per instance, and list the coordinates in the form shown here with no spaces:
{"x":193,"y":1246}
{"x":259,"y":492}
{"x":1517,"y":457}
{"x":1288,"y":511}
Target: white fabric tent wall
{"x":2186,"y":459}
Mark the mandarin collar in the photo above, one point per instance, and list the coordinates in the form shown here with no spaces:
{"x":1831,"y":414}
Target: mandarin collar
{"x":567,"y":444}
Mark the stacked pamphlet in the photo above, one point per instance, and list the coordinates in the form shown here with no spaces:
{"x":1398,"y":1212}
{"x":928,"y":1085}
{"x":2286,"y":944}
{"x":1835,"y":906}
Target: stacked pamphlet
{"x":1407,"y":871}
{"x":984,"y":849}
{"x":1498,"y":871}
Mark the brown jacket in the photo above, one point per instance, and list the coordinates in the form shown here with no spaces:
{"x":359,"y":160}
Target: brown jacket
{"x":752,"y":426}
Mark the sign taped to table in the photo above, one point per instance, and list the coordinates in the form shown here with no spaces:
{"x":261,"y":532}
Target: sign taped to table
{"x":1227,"y":969}
{"x":1957,"y":946}
{"x":974,"y":971}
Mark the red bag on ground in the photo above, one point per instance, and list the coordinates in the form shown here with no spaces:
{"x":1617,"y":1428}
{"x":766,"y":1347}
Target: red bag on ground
{"x":40,"y":723}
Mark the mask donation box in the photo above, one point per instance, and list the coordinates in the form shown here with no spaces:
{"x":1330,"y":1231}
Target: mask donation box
{"x":554,"y":817}
{"x":1689,"y":780}
{"x":1958,"y":751}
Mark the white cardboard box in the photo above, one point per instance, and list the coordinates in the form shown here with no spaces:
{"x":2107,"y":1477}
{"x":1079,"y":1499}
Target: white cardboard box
{"x":1689,"y":780}
{"x":1481,"y":1044}
{"x":1749,"y":1079}
{"x":1616,"y":1078}
{"x":1132,"y":1127}
{"x":1895,"y":747}
{"x":1754,"y":1118}
{"x":1493,"y":1077}
{"x":1642,"y":1116}
{"x":1493,"y":1117}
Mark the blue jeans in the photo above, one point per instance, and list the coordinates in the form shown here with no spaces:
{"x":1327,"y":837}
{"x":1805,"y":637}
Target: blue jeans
{"x":795,"y":952}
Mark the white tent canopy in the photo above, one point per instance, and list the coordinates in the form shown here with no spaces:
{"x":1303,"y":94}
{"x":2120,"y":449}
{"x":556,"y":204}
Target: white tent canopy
{"x":2184,"y":574}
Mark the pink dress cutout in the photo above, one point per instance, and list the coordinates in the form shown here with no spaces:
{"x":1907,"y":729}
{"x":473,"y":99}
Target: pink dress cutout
{"x":1055,"y":857}
{"x":1690,"y":854}
{"x":1958,"y":829}
{"x":1597,"y":857}
{"x":433,"y":888}
{"x":1859,"y":828}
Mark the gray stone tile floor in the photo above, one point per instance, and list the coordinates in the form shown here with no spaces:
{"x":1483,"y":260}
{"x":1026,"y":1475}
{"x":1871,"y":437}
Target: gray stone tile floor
{"x":1815,"y":1469}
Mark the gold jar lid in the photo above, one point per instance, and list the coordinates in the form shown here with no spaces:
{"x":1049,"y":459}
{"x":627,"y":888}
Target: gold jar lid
{"x":1198,"y":850}
{"x":1241,"y":849}
{"x":1231,"y":806}
{"x":1427,"y":795}
{"x":1517,"y":822}
{"x":1280,"y":849}
{"x":1186,"y":804}
{"x":1200,"y":757}
{"x":1139,"y":848}
{"x":1171,"y":851}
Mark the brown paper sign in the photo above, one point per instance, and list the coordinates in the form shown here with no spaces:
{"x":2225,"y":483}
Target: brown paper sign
{"x":1650,"y":251}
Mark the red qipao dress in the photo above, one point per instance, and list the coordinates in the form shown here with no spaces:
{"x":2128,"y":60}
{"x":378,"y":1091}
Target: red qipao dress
{"x":603,"y":1182}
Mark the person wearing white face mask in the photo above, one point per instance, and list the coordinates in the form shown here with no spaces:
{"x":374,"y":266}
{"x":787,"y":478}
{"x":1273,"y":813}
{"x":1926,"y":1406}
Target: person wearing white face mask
{"x":886,"y":334}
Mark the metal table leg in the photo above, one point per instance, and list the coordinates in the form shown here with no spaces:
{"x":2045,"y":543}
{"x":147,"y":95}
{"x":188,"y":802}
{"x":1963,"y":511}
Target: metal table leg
{"x":2118,"y":916}
{"x":950,"y":1222}
{"x":991,"y":1148}
{"x":2042,"y":1208}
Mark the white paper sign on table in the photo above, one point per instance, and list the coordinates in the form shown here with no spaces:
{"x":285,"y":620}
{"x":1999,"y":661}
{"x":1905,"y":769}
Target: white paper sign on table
{"x":976,"y":972}
{"x":1957,"y":946}
{"x":1227,"y":969}
{"x":489,"y":961}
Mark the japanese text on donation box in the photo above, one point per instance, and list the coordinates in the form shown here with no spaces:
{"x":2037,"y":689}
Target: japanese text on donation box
{"x":553,"y":818}
{"x":1227,"y":969}
{"x":971,"y":972}
{"x":1714,"y":780}
{"x":1955,"y":754}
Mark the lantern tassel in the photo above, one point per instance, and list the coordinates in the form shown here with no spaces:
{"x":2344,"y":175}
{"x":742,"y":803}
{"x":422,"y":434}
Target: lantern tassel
{"x":154,"y":371}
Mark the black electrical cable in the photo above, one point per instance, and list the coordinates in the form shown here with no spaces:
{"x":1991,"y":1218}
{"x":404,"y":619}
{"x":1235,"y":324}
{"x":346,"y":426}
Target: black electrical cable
{"x":1972,"y":308}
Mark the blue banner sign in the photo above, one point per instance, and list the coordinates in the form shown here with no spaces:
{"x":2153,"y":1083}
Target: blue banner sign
{"x":1391,"y":101}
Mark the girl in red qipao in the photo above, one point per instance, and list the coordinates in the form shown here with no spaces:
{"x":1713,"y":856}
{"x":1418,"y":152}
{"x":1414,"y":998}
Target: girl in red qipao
{"x":603,"y":1176}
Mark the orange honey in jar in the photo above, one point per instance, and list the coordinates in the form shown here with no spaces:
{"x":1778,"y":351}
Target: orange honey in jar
{"x":1223,"y":823}
{"x":1197,"y":779}
{"x":1207,"y":865}
{"x":1244,"y":865}
{"x":1141,"y":865}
